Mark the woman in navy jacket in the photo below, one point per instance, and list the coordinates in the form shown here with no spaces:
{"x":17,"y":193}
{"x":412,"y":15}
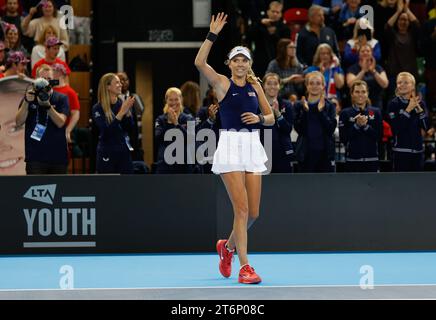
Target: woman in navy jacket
{"x":315,"y":123}
{"x":282,"y":150}
{"x":408,"y":118}
{"x":173,"y":117}
{"x":360,"y":130}
{"x":113,"y":118}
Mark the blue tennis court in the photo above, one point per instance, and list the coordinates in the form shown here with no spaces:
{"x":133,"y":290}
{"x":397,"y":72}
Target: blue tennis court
{"x":285,"y":276}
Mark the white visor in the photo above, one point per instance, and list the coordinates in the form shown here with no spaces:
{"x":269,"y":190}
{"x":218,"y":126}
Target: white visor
{"x":239,"y":50}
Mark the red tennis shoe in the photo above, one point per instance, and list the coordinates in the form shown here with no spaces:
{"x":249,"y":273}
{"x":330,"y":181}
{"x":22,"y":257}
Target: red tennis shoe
{"x":248,"y":276}
{"x":226,"y":258}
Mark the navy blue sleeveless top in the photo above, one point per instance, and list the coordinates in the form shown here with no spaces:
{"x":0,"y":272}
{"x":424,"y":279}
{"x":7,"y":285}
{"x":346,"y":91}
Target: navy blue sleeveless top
{"x":237,"y":101}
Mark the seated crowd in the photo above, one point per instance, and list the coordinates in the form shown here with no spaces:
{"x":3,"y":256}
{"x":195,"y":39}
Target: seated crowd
{"x":343,"y":88}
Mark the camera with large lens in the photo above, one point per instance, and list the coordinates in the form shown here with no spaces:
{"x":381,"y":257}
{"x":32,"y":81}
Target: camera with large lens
{"x":42,"y":90}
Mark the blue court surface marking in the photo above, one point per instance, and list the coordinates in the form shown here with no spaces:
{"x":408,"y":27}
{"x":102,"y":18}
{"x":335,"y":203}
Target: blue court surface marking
{"x":201,"y":271}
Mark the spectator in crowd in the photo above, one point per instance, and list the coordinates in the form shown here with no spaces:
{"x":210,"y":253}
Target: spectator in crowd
{"x":52,"y":48}
{"x":369,"y":71}
{"x":173,"y":117}
{"x":408,"y":118}
{"x":208,"y":118}
{"x":282,"y":149}
{"x":12,"y":15}
{"x":16,"y":65}
{"x":12,"y":38}
{"x":44,"y":117}
{"x":402,"y":35}
{"x":363,"y":34}
{"x":192,"y":104}
{"x":288,"y":68}
{"x":266,"y":35}
{"x":340,"y":148}
{"x":39,"y":50}
{"x":113,"y":119}
{"x":360,"y":130}
{"x":331,"y":9}
{"x":191,"y":98}
{"x":313,"y":34}
{"x":315,"y":123}
{"x":383,"y":11}
{"x":429,"y":49}
{"x":35,"y":28}
{"x":326,"y":62}
{"x":60,"y":74}
{"x":137,"y":110}
{"x":348,"y":18}
{"x":210,"y":97}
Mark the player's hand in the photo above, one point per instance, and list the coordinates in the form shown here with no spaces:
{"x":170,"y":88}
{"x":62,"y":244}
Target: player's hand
{"x":250,"y":118}
{"x":218,"y":23}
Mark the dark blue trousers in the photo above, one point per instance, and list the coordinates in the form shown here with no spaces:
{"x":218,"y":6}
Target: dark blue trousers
{"x":114,"y":162}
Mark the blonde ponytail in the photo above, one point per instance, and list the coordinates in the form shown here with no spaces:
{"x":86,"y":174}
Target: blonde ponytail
{"x":251,"y":77}
{"x":104,"y":95}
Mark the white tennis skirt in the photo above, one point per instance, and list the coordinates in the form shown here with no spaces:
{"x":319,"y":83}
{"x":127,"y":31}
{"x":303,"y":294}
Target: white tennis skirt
{"x":239,"y":152}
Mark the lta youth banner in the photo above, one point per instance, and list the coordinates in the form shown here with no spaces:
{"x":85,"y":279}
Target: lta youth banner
{"x":12,"y":91}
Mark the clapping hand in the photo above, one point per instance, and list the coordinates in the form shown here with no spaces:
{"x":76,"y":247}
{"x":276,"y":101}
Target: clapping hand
{"x":276,"y":108}
{"x":172,"y":117}
{"x":371,"y":65}
{"x":127,"y":105}
{"x":321,"y":104}
{"x":305,"y":104}
{"x":213,"y":110}
{"x":361,"y":120}
{"x":414,"y":103}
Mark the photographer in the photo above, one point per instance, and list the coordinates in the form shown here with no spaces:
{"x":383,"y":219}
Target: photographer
{"x":44,"y":113}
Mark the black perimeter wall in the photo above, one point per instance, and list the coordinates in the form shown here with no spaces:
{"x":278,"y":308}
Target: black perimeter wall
{"x":187,"y":214}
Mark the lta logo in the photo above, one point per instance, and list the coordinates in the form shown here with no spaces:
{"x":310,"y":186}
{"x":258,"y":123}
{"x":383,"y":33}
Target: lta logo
{"x":68,"y":222}
{"x":44,"y":194}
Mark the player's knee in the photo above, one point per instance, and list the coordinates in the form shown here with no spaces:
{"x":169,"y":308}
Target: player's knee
{"x":241,"y":211}
{"x":254,"y":215}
